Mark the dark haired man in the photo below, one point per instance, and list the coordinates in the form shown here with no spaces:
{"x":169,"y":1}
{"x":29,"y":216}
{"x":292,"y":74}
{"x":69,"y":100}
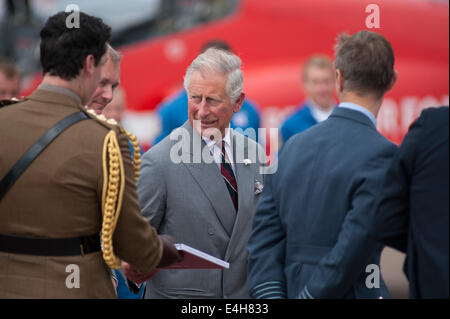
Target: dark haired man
{"x":413,"y":210}
{"x":311,"y":231}
{"x":58,"y":194}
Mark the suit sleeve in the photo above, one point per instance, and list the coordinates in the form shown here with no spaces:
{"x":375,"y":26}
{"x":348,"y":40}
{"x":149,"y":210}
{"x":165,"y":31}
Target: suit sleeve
{"x":152,"y":190}
{"x":135,"y":241}
{"x":266,"y":249}
{"x":339,"y":269}
{"x":392,"y":216}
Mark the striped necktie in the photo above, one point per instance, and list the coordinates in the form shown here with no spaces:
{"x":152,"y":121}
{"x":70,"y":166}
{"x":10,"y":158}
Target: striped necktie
{"x":228,"y":176}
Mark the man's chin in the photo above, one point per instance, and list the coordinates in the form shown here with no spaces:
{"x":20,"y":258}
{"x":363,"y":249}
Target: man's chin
{"x":213,"y":133}
{"x":97,"y":107}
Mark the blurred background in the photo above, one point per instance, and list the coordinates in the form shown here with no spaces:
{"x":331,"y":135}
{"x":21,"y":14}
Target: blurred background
{"x":160,"y":38}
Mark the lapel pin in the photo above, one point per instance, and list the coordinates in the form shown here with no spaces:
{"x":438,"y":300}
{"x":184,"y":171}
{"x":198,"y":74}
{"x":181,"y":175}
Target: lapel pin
{"x":258,"y":187}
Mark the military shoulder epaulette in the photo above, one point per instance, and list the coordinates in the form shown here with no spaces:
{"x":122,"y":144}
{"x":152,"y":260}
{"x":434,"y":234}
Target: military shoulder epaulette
{"x":10,"y":102}
{"x":101,"y":118}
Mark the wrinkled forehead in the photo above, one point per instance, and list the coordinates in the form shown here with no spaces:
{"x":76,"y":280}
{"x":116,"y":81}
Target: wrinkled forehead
{"x":111,"y":71}
{"x":104,"y":59}
{"x":207,"y":78}
{"x":208,"y":74}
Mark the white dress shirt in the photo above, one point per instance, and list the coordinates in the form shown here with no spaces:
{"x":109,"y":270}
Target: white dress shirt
{"x":216,"y":149}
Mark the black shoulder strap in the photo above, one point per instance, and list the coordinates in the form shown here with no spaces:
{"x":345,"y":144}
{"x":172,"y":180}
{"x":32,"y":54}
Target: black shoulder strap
{"x":22,"y":164}
{"x":8,"y":102}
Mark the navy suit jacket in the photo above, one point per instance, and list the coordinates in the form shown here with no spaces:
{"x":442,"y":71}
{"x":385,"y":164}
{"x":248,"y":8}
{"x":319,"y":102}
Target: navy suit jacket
{"x":311,"y":231}
{"x":414,"y":207}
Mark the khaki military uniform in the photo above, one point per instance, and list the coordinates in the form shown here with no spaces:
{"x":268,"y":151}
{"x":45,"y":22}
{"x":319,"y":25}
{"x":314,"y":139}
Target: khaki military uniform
{"x":59,"y":196}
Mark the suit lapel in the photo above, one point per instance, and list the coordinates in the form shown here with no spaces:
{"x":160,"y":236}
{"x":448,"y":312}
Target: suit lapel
{"x":212,"y":184}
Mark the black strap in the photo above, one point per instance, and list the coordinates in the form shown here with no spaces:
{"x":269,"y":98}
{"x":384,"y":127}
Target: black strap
{"x":22,"y":164}
{"x":50,"y":246}
{"x":8,"y":102}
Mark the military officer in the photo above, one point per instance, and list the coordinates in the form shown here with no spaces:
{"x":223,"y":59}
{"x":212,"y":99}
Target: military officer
{"x":56,"y":200}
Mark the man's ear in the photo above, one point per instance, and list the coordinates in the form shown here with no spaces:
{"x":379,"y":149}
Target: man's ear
{"x":394,"y":80}
{"x":339,"y":81}
{"x":89,"y":64}
{"x":238,"y":104}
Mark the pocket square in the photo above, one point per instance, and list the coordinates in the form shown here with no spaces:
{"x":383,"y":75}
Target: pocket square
{"x":258,"y":187}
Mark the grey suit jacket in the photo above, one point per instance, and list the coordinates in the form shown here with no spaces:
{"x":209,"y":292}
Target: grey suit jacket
{"x":189,"y":201}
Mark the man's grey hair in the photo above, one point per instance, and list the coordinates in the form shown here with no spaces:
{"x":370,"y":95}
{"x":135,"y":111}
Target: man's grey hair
{"x":222,"y":62}
{"x":114,"y":55}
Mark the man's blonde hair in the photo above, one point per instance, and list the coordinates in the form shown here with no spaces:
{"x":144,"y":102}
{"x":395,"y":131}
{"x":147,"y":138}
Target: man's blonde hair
{"x":320,"y":61}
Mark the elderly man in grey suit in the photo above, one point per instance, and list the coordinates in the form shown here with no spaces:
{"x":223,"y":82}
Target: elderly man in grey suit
{"x":200,"y":185}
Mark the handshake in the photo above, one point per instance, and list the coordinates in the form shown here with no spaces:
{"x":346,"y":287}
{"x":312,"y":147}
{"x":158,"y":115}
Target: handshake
{"x":170,"y":255}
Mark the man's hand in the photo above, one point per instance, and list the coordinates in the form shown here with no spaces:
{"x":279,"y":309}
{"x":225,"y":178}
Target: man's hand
{"x":170,"y":253}
{"x":134,"y":276}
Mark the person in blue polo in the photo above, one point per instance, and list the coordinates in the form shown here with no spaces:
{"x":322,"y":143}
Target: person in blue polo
{"x":173,"y":112}
{"x":319,"y":85}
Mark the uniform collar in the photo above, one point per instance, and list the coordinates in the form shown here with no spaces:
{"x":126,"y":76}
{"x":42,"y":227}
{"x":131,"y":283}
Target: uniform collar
{"x":58,"y":96}
{"x":60,"y":90}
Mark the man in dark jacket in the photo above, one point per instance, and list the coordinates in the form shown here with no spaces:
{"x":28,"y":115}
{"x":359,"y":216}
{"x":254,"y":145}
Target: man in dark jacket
{"x":412,"y":215}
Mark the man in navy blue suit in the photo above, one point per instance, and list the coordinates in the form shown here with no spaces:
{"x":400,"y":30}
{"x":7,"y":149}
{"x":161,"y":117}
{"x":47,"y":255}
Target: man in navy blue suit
{"x":412,"y":215}
{"x":311,"y":231}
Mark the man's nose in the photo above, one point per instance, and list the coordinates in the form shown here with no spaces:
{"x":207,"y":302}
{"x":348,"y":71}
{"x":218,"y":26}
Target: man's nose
{"x":108,"y":93}
{"x":203,"y":109}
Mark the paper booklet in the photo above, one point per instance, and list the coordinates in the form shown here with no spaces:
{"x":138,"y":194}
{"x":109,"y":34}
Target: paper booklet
{"x":196,"y":259}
